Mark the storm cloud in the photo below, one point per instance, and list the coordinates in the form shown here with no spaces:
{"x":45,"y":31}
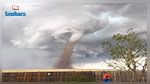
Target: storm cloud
{"x":30,"y":43}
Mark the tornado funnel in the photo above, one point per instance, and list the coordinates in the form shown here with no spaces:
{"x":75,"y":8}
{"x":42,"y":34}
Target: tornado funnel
{"x":65,"y":60}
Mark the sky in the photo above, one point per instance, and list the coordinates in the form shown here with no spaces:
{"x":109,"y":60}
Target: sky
{"x":37,"y":40}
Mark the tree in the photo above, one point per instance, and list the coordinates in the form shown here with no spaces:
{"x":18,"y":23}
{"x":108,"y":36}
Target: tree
{"x":127,"y":51}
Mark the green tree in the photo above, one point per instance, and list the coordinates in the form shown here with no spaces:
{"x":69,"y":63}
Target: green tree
{"x":127,"y":51}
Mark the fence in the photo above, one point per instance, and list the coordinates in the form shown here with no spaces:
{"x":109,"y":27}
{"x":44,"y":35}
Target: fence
{"x":72,"y":76}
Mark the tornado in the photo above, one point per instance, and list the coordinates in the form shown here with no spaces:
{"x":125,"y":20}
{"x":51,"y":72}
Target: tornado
{"x":77,"y":33}
{"x":65,"y":59}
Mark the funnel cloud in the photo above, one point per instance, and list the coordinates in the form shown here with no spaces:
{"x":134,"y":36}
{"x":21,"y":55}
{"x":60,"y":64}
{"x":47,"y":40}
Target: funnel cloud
{"x":65,"y":60}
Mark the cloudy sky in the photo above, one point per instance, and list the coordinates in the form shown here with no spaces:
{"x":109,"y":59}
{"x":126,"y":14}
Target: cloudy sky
{"x":37,"y":40}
